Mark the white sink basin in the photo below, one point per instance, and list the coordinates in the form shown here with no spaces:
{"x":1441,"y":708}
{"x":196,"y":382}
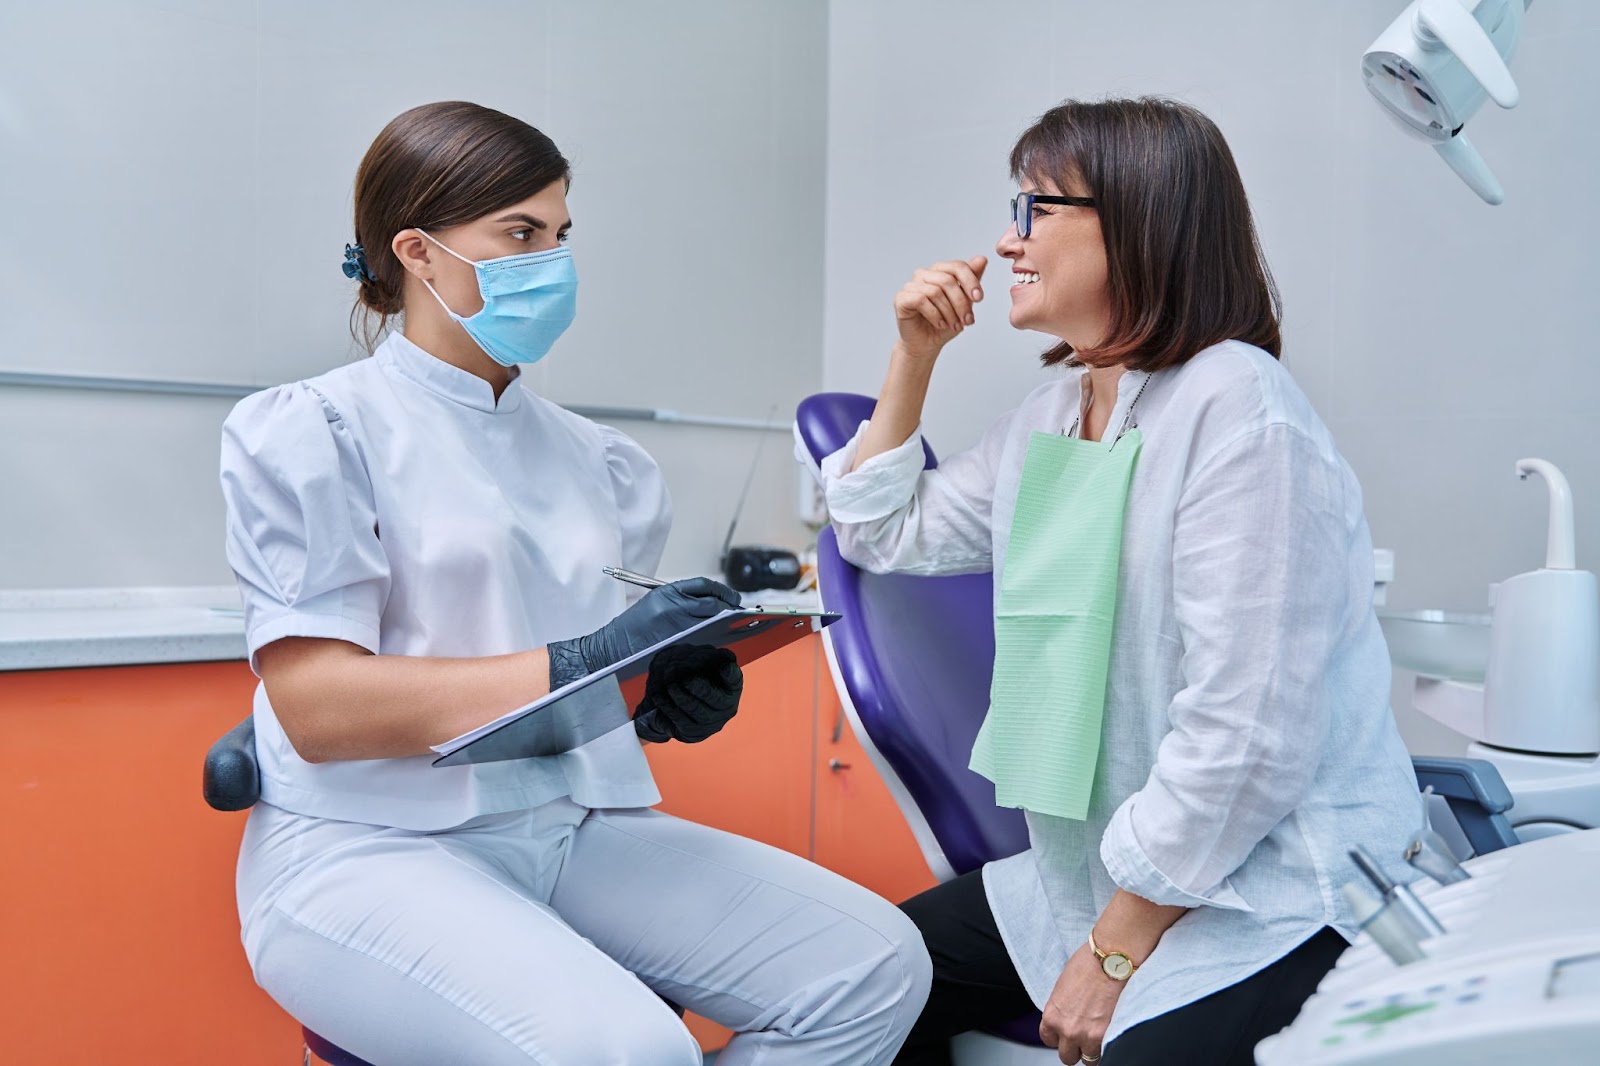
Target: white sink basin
{"x":1442,"y":644}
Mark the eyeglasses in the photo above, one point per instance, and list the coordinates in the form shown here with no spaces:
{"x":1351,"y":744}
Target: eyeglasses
{"x":1022,"y":208}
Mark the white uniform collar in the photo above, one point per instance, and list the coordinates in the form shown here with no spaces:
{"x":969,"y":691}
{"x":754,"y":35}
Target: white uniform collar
{"x":399,"y":355}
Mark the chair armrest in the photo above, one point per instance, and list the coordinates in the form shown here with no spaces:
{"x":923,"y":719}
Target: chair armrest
{"x":232,"y":775}
{"x":1477,"y":796}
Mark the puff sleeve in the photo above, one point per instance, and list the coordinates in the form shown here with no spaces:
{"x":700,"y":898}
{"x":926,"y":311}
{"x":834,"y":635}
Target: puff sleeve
{"x":302,"y":529}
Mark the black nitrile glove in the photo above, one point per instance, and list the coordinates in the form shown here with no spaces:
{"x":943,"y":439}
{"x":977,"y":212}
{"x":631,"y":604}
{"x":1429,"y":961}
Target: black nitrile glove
{"x":692,"y":691}
{"x":659,"y":614}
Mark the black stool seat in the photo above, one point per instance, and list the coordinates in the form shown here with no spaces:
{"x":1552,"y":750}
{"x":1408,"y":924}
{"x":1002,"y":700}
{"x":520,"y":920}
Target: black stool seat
{"x":325,"y":1051}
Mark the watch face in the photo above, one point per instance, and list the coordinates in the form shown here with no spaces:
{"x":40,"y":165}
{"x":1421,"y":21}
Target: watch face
{"x":1117,"y":966}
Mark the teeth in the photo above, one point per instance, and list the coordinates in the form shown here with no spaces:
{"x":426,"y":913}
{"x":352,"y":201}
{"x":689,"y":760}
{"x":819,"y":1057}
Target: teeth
{"x":1023,"y":277}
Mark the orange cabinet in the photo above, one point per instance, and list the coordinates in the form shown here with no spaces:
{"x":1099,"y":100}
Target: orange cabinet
{"x":754,"y":777}
{"x":860,"y":831}
{"x":116,"y":902}
{"x":789,"y":771}
{"x":116,"y":896}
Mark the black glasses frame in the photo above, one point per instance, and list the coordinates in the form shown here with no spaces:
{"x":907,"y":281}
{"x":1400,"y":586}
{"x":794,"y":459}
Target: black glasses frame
{"x":1022,"y":208}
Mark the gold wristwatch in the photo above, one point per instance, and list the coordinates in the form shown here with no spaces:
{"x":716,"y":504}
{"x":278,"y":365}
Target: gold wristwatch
{"x":1116,"y":964}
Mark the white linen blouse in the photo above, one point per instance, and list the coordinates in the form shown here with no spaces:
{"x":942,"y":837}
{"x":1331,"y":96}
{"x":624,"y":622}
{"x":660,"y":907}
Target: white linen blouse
{"x":1248,"y":739}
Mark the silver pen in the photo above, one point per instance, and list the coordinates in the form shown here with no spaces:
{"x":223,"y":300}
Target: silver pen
{"x":632,"y":578}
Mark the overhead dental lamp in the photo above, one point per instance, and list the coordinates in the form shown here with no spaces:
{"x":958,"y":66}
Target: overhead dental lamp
{"x":1433,"y":67}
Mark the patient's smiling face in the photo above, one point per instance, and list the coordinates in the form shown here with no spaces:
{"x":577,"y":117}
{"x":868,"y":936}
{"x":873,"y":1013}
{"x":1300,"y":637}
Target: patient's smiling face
{"x":1060,"y":271}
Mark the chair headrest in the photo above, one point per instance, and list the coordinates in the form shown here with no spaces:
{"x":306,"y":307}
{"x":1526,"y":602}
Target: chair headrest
{"x":828,"y":420}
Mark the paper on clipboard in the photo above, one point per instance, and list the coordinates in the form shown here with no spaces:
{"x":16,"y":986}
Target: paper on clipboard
{"x":594,"y":705}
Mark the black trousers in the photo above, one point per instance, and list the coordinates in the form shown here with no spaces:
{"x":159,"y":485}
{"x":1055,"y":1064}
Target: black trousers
{"x":975,"y":986}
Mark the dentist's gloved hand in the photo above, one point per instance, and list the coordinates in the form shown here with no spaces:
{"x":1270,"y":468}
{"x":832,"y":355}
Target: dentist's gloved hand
{"x":659,"y":614}
{"x":692,"y":691}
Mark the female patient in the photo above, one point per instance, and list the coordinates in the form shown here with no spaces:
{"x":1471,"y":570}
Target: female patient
{"x":1191,"y":689}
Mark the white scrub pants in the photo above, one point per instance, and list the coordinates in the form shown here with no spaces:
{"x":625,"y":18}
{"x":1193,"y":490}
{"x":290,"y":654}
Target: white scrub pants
{"x":550,"y":935}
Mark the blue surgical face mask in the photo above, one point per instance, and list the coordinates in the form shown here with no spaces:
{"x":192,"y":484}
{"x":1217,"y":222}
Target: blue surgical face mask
{"x":529,"y":300}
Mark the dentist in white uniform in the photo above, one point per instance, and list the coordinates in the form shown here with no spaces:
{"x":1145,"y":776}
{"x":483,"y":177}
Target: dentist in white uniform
{"x":418,"y":540}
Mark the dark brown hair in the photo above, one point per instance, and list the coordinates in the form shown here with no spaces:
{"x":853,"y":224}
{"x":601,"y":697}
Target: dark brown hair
{"x":1184,"y":267}
{"x":433,"y":167}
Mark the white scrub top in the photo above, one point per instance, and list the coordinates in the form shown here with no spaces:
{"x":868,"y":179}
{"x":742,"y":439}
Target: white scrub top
{"x":1248,"y":740}
{"x":392,"y":503}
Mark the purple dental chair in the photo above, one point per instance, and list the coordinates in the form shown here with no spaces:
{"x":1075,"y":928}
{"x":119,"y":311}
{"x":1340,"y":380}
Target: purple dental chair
{"x":912,"y":659}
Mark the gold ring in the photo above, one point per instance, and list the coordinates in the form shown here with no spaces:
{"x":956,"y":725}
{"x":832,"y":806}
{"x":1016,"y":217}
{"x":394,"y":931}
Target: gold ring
{"x":1089,"y":1058}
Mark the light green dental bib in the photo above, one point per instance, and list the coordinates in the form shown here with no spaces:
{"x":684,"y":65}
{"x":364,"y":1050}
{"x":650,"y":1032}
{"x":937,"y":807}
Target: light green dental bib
{"x":1052,"y":626}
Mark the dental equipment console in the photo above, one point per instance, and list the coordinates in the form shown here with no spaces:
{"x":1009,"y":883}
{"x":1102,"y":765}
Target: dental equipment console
{"x":1514,"y":975}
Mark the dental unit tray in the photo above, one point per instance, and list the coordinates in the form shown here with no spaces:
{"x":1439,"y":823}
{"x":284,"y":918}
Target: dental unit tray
{"x":598,"y":703}
{"x":1514,"y":978}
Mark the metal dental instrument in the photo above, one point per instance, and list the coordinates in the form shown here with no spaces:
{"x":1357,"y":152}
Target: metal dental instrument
{"x":1398,"y":896}
{"x":642,"y":580}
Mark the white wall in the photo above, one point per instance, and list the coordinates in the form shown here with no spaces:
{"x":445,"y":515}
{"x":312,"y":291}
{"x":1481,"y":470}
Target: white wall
{"x":177,"y":177}
{"x":177,"y":174}
{"x":1440,"y":338}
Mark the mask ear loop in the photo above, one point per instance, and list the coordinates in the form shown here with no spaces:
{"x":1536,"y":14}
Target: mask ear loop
{"x":431,"y":289}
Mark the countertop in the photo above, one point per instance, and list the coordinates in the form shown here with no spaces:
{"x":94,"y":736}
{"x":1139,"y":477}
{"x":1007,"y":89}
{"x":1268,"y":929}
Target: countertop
{"x":53,"y":629}
{"x":57,"y":629}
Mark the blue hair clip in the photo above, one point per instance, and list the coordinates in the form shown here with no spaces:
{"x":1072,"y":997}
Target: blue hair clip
{"x":355,"y":263}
